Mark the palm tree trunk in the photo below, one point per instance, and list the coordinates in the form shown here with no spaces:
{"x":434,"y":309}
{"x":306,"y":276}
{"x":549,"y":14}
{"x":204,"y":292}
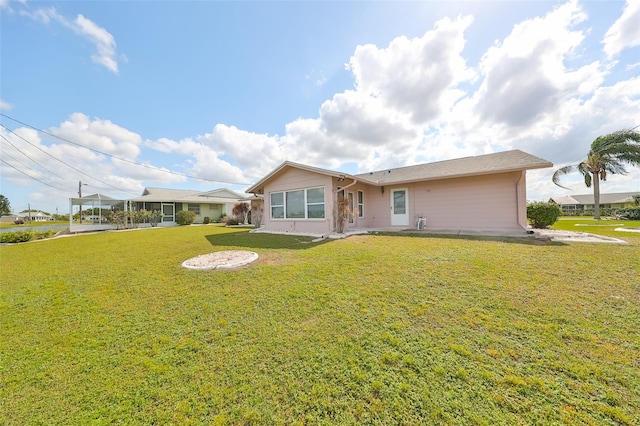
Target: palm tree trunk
{"x":596,"y":196}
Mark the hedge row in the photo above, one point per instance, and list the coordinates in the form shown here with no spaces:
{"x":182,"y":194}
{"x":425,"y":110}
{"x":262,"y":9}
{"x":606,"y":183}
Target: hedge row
{"x":24,"y":236}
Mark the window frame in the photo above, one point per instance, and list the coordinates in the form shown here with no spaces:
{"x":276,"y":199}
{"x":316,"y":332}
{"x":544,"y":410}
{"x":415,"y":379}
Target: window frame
{"x":360,"y":203}
{"x":193,"y":207}
{"x":306,"y":203}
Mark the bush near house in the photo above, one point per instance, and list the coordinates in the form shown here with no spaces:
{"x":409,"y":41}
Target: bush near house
{"x":629,"y":213}
{"x":184,"y":217}
{"x":24,"y":236}
{"x":542,"y":215}
{"x":206,"y":220}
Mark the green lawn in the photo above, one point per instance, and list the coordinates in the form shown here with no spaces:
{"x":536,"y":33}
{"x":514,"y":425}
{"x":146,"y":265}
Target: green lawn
{"x":380,"y":329}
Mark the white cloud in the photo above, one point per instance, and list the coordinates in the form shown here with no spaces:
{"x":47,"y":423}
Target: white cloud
{"x":416,"y":76}
{"x":624,"y":32}
{"x":5,"y":106}
{"x":102,"y":40}
{"x":525,"y":76}
{"x":100,"y":135}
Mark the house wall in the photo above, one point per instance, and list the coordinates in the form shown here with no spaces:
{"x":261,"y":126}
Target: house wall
{"x":479,"y":203}
{"x":292,"y":179}
{"x":213,"y":211}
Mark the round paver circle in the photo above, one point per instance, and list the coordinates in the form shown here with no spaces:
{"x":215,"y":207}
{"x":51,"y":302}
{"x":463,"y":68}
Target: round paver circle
{"x":226,"y":259}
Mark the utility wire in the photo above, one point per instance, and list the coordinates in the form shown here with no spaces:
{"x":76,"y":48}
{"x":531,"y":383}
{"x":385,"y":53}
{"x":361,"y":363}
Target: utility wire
{"x":31,"y":177}
{"x":65,"y":163}
{"x":21,"y":152}
{"x":120,"y":158}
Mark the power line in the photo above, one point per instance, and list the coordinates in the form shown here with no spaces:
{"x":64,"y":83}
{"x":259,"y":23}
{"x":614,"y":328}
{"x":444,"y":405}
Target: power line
{"x":31,"y":177}
{"x":21,"y":152}
{"x":65,"y":163}
{"x":120,"y":158}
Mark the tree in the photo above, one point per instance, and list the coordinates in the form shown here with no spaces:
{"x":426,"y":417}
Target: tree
{"x":239,"y":211}
{"x":608,"y":154}
{"x":5,"y":206}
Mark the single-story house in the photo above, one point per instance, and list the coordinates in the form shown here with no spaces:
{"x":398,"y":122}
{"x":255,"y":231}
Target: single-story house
{"x":584,"y":203}
{"x":12,"y":217}
{"x":485,"y":193}
{"x":212,"y":204}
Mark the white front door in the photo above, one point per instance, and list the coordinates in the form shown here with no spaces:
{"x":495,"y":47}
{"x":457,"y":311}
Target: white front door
{"x":400,"y":207}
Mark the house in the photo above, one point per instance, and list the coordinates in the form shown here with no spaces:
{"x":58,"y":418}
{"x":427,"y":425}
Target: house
{"x":584,"y":203}
{"x":485,"y":193}
{"x":212,"y":204}
{"x":11,"y":218}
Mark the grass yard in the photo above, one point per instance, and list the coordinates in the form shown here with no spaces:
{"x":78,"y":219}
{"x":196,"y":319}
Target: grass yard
{"x":380,"y":329}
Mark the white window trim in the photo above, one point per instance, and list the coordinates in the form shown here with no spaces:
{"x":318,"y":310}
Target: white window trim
{"x":306,"y":204}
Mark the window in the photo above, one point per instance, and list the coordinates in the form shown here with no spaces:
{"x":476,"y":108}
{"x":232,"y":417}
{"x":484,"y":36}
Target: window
{"x":194,"y":208}
{"x":360,"y":204}
{"x":277,"y":205}
{"x":298,"y":204}
{"x":315,"y":203}
{"x":350,"y":198}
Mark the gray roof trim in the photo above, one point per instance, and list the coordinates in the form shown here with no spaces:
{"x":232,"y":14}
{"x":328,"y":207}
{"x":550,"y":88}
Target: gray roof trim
{"x":254,"y":188}
{"x":501,"y":162}
{"x":157,"y":195}
{"x":586,"y":199}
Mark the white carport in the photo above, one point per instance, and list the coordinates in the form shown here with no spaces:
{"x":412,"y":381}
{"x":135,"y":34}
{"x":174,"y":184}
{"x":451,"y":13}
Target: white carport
{"x":96,"y":222}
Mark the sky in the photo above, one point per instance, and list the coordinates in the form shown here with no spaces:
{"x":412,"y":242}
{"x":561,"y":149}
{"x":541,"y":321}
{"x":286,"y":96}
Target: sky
{"x":124,"y":95}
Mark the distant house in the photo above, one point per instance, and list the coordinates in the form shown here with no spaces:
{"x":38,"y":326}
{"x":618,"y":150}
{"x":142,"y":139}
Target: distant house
{"x":11,"y":218}
{"x":212,"y":204}
{"x":486,"y":193}
{"x":584,"y":203}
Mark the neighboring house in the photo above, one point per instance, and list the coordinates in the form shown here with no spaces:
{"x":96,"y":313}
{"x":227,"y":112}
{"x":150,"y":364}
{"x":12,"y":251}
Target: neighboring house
{"x":486,"y":193}
{"x":11,"y":218}
{"x":35,"y":216}
{"x":211,"y":204}
{"x":584,"y":203}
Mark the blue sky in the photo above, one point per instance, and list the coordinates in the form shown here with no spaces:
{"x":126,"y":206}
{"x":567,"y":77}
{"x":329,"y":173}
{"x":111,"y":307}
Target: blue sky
{"x":133,"y":94}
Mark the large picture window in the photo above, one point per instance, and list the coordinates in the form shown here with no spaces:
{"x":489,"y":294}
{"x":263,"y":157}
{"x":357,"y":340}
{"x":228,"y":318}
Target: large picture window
{"x":194,"y":208}
{"x":299,"y":204}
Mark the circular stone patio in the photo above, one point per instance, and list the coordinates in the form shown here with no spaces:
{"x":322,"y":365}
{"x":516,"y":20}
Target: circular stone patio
{"x":227,"y":259}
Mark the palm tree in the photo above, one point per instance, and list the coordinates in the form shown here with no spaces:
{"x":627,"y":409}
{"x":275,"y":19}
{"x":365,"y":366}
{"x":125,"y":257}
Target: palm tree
{"x":608,"y":154}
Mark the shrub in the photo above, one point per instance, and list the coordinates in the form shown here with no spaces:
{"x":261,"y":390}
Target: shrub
{"x":24,"y":236}
{"x":629,"y":213}
{"x":542,"y":215}
{"x":206,"y":220}
{"x":185,"y":217}
{"x":232,"y":221}
{"x":240,"y":211}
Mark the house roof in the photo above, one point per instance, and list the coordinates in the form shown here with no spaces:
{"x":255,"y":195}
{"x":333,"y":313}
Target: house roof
{"x":586,"y":199}
{"x":500,"y":162}
{"x":157,"y":195}
{"x":255,"y":188}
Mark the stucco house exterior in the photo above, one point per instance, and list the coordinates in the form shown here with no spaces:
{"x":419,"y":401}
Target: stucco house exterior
{"x":485,"y":193}
{"x":212,"y":204}
{"x":584,"y":203}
